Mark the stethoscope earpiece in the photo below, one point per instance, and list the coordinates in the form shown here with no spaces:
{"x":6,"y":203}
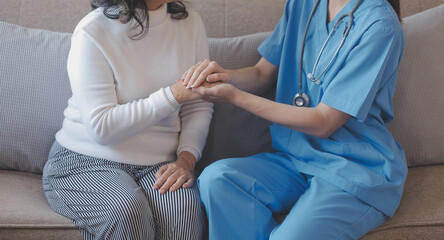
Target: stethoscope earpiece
{"x":311,"y":77}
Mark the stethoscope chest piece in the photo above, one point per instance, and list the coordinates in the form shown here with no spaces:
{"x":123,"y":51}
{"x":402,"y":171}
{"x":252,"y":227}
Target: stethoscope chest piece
{"x":301,"y":100}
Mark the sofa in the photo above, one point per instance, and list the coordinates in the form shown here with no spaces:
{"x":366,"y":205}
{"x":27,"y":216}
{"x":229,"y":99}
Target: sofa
{"x":34,"y":88}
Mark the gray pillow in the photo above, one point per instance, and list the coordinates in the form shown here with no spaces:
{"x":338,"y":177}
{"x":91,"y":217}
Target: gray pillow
{"x":235,"y":132}
{"x":34,"y":89}
{"x":419,"y":96}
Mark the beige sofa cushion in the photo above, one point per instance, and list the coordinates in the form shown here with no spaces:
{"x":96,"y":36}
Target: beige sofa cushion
{"x":24,"y":211}
{"x":421,"y":212}
{"x":419,"y":95}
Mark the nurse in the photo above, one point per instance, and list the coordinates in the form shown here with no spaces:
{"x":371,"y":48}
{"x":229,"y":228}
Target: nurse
{"x":336,"y":170}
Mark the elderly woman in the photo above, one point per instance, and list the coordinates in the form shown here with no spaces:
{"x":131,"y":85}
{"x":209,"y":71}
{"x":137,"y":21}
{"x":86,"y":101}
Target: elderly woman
{"x":122,"y":166}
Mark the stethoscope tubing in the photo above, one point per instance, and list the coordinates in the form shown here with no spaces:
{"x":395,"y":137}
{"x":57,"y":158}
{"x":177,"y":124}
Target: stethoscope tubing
{"x":319,"y":56}
{"x":302,"y":97}
{"x":303,"y":44}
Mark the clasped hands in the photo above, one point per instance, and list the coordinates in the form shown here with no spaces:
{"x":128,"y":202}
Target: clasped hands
{"x":208,"y":79}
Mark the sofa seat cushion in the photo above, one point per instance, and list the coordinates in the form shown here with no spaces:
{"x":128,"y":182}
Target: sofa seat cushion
{"x":25,"y":211}
{"x":421,"y":212}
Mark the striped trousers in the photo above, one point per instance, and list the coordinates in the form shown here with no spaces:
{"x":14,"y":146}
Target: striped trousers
{"x":110,"y":200}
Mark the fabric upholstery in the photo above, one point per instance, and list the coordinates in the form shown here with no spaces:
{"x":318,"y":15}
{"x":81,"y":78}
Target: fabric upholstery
{"x":25,"y":211}
{"x":223,"y":18}
{"x":54,"y":15}
{"x":419,"y":114}
{"x":421,"y":212}
{"x":33,"y":94}
{"x":235,"y":132}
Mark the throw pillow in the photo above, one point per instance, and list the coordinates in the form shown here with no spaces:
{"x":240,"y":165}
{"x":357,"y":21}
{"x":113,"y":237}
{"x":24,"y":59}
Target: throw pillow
{"x":419,"y":114}
{"x":34,"y":89}
{"x":235,"y":132}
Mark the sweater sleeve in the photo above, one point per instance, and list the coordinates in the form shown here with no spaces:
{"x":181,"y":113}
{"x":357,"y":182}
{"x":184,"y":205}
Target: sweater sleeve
{"x":196,"y":115}
{"x":195,"y":119}
{"x":93,"y":86}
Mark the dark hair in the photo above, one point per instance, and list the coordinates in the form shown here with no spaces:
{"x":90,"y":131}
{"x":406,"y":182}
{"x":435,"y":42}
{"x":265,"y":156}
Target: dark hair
{"x":125,"y":11}
{"x":396,"y":7}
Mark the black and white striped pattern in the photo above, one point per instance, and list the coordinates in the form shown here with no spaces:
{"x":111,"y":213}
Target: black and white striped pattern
{"x":110,"y":200}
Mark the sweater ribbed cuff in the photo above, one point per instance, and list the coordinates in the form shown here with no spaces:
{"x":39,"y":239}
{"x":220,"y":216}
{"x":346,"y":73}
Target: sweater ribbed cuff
{"x":190,"y":149}
{"x":171,"y":99}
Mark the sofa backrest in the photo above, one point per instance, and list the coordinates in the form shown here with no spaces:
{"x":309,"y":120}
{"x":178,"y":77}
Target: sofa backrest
{"x":419,"y":95}
{"x":222,"y":18}
{"x":418,"y":99}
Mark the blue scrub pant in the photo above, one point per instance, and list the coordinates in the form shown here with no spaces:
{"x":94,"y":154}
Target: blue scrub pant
{"x":241,"y":196}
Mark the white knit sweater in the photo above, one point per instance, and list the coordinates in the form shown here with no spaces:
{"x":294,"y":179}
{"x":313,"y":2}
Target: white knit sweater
{"x":122,"y":108}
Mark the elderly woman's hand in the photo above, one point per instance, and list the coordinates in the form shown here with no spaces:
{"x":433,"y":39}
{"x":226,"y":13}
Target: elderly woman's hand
{"x":182,"y":94}
{"x":177,"y":174}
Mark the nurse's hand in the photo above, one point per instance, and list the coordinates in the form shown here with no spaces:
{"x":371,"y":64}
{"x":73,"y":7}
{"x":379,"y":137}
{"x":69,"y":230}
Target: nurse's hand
{"x":217,"y":92}
{"x":206,"y":70}
{"x":177,"y":174}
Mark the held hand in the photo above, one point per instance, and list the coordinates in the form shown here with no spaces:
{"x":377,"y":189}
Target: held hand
{"x":175,"y":175}
{"x":182,"y":95}
{"x":217,"y":92}
{"x":206,"y":70}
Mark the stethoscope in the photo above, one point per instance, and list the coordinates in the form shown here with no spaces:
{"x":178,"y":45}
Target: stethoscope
{"x":301,"y":99}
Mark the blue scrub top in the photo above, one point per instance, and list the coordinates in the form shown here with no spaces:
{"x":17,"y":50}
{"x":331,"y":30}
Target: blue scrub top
{"x":361,"y":157}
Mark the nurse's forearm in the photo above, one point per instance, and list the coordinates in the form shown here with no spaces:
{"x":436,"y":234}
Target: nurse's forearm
{"x":311,"y":121}
{"x":256,"y":79}
{"x":250,"y":80}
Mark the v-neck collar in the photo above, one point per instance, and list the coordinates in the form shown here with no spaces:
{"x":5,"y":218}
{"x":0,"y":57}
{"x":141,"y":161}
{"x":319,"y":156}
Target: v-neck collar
{"x":324,"y":12}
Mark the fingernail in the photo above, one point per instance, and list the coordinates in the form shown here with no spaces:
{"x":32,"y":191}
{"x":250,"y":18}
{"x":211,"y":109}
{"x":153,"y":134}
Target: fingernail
{"x":173,"y":189}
